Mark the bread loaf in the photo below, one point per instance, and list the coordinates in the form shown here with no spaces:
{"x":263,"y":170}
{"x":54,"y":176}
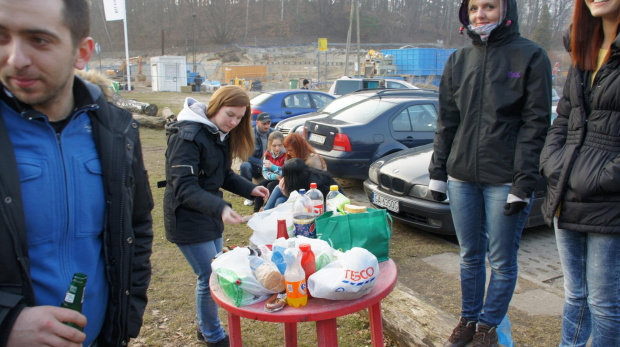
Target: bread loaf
{"x":270,"y":277}
{"x":348,"y":208}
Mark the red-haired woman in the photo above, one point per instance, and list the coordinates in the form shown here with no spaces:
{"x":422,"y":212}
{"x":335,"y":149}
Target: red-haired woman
{"x":581,"y":160}
{"x":296,"y":147}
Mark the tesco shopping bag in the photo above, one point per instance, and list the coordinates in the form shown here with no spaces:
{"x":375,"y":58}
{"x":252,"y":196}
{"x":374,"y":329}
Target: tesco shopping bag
{"x":350,"y":277}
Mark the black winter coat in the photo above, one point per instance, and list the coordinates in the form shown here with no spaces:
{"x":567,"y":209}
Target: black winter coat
{"x":198,"y":164}
{"x":128,"y":234}
{"x":581,"y":157}
{"x":494,"y":109}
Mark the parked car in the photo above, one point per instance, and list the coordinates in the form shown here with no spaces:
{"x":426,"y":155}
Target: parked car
{"x":296,"y":123}
{"x":282,"y":104}
{"x":389,"y":121}
{"x":345,"y":85}
{"x":399,"y":183}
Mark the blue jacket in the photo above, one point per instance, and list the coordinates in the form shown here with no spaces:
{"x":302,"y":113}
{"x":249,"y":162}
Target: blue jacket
{"x":76,"y":202}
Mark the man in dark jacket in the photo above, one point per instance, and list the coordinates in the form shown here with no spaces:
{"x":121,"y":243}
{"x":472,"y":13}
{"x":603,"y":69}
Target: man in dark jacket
{"x":74,"y":190}
{"x":494,"y":103}
{"x":253,"y":168}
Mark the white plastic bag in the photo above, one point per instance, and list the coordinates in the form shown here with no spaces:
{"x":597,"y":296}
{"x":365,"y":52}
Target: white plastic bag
{"x":323,"y":253}
{"x":352,"y":275}
{"x":237,"y":279}
{"x":265,"y":223}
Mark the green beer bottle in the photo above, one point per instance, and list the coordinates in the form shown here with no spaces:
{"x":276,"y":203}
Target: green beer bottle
{"x":75,"y":296}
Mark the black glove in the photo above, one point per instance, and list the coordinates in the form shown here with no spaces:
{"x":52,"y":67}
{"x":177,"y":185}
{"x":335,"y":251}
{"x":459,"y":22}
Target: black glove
{"x":437,"y":196}
{"x":514,"y":207}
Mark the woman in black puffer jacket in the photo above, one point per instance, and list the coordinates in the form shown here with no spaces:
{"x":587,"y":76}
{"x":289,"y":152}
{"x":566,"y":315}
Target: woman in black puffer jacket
{"x":581,"y":161}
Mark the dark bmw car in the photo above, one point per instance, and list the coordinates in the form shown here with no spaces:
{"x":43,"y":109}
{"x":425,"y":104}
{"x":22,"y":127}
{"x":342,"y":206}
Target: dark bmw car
{"x":399,"y":183}
{"x":390,"y":121}
{"x":282,"y":104}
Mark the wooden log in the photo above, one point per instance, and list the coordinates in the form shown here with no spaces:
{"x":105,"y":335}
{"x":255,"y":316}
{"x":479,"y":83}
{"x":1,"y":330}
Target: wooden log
{"x":150,"y":122}
{"x":167,"y":113}
{"x":134,"y":106}
{"x":412,"y":321}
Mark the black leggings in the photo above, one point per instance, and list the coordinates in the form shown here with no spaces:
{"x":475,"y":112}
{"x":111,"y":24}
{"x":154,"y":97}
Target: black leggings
{"x":259,"y":201}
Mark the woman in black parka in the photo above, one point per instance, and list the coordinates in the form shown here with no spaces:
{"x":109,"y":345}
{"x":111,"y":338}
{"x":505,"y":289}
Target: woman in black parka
{"x":494,"y":114}
{"x":581,"y":161}
{"x":201,"y":145}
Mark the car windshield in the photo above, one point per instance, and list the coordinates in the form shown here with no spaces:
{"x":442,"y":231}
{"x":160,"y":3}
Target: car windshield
{"x":260,"y":99}
{"x":364,"y":111}
{"x":341,"y":102}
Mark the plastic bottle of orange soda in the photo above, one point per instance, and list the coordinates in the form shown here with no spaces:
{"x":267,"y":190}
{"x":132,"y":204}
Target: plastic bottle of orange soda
{"x":295,"y":277}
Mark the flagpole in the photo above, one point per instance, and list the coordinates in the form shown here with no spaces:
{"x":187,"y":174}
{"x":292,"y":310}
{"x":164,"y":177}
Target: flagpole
{"x":127,"y":56}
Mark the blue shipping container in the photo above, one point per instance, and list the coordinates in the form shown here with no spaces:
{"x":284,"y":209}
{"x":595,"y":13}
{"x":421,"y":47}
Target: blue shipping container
{"x":419,"y":61}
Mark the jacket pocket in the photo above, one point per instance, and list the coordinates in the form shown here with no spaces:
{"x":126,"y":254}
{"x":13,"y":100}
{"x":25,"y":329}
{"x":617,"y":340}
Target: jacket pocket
{"x":89,"y":198}
{"x":37,"y":192}
{"x":609,"y":177}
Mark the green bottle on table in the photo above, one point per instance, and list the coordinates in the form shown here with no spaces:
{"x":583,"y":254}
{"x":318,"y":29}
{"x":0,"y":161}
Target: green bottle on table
{"x":75,"y":296}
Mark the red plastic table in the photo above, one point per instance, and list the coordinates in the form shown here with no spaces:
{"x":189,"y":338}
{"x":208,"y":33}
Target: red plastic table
{"x":323,"y":311}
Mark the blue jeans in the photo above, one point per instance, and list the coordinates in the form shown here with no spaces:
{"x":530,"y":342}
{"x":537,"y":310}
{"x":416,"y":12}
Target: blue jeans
{"x":591,"y":266}
{"x":199,"y":256}
{"x":249,"y":171}
{"x":275,"y":199}
{"x":480,"y":223}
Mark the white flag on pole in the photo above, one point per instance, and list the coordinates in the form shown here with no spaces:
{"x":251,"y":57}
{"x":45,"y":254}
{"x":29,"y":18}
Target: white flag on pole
{"x":114,"y":9}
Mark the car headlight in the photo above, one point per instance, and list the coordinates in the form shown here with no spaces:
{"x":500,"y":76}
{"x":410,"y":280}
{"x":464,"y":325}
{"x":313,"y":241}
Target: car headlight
{"x":373,"y":171}
{"x":421,"y":191}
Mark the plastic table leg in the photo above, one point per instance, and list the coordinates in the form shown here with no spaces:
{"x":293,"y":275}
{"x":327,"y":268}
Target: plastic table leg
{"x":376,"y":324}
{"x":290,"y":334}
{"x":327,"y":333}
{"x":234,"y":330}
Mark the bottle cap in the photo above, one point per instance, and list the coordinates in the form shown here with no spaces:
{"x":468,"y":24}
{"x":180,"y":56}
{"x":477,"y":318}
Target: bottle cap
{"x":302,"y":191}
{"x":333,"y":188}
{"x":304,"y":247}
{"x":312,"y":185}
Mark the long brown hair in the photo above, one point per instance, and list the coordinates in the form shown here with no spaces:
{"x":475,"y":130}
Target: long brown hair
{"x":301,"y":147}
{"x":586,"y":37}
{"x":241,"y":137}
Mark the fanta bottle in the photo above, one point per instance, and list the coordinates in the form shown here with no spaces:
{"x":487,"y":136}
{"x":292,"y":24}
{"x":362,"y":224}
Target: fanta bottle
{"x":295,"y":278}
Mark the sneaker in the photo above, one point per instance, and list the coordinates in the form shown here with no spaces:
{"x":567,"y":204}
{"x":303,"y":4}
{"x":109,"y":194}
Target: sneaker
{"x":486,"y":336}
{"x":221,"y":343}
{"x":248,"y":202}
{"x":199,"y":336}
{"x":462,"y":334}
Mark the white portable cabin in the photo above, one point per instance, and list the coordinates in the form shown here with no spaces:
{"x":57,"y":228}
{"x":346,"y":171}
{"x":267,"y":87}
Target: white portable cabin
{"x":168,"y":73}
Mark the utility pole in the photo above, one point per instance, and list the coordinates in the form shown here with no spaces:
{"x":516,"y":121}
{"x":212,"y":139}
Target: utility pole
{"x":193,"y":38}
{"x":357,"y":10}
{"x":346,"y":64}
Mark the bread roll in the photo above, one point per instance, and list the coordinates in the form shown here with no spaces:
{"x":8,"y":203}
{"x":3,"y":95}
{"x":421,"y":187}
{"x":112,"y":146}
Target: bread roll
{"x":348,"y":208}
{"x":270,"y":277}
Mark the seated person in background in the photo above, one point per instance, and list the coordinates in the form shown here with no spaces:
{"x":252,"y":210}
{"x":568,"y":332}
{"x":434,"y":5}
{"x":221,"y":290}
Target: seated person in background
{"x":296,"y":175}
{"x":296,"y":147}
{"x":272,"y":165}
{"x":253,"y":168}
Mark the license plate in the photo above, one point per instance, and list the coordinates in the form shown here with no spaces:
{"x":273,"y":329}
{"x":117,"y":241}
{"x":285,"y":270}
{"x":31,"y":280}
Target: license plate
{"x":316,"y":138}
{"x":385,"y":202}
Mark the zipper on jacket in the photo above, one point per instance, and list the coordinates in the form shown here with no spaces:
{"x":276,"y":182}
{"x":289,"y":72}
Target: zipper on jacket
{"x":480,"y":103}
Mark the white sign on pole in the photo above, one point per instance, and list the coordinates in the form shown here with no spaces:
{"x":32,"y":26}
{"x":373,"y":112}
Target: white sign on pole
{"x":114,"y":9}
